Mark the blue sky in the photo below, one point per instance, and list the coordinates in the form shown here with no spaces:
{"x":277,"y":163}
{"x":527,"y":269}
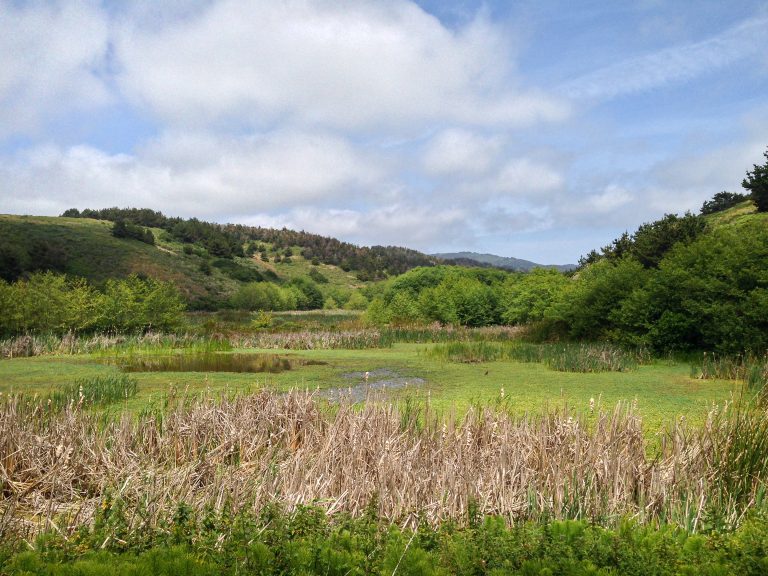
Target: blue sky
{"x":534,"y":129}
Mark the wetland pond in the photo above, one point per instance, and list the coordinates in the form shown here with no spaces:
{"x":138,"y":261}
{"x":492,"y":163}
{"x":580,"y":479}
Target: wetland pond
{"x":353,"y":386}
{"x":210,"y":362}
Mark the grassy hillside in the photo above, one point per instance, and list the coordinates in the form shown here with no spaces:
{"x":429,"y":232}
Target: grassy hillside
{"x":85,"y":247}
{"x":739,"y":215}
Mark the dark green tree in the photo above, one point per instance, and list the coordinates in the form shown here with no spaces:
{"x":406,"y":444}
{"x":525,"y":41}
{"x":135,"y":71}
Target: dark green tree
{"x":722,"y":201}
{"x":757,"y":183}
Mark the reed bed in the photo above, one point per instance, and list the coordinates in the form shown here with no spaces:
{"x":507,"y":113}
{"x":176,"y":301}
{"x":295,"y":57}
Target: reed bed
{"x":311,"y":340}
{"x":57,"y":468}
{"x":750,"y":368}
{"x":302,"y":339}
{"x":95,"y":391}
{"x":563,"y":357}
{"x":71,"y":343}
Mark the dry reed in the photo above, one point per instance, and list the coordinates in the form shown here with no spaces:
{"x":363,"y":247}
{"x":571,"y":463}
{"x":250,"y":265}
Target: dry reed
{"x":413,"y":466}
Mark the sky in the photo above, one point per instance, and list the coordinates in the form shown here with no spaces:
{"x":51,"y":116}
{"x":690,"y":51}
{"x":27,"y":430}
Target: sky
{"x":538,"y":129}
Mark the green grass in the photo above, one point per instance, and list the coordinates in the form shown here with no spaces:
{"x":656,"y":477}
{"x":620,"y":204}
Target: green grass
{"x":662,"y":390}
{"x":736,"y":216}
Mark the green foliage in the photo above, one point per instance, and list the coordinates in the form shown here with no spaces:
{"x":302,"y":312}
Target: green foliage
{"x":310,"y":297}
{"x":264,"y":296}
{"x":356,"y":301}
{"x":308,"y":542}
{"x":445,"y":294}
{"x":528,"y":297}
{"x":476,"y":303}
{"x":757,"y":183}
{"x":709,"y":295}
{"x":138,"y":304}
{"x":49,"y":302}
{"x":590,"y":305}
{"x":403,"y":308}
{"x":651,"y":241}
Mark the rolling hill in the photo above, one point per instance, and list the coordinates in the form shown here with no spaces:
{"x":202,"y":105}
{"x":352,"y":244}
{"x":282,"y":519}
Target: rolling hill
{"x":505,"y":262}
{"x":86,"y":247}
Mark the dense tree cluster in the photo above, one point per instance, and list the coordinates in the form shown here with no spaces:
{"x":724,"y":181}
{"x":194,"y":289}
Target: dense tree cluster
{"x":123,"y":229}
{"x":670,"y":286}
{"x":298,"y":294}
{"x":213,"y":237}
{"x":50,"y":302}
{"x":446,"y":294}
{"x":651,"y":240}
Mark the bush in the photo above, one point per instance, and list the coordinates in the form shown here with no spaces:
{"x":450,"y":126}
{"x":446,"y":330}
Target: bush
{"x":123,"y":229}
{"x":238,"y":271}
{"x":49,"y":302}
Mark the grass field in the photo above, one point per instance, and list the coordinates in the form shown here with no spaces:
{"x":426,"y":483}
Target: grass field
{"x":662,"y":391}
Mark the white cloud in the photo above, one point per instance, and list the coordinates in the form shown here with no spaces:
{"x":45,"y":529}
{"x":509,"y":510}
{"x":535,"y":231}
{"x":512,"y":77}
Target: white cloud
{"x":675,"y":64}
{"x":415,"y":225}
{"x":684,"y":183}
{"x":361,"y":65}
{"x":50,"y":54}
{"x":457,"y":152}
{"x":526,"y":177}
{"x":192,"y":175}
{"x":612,"y":198}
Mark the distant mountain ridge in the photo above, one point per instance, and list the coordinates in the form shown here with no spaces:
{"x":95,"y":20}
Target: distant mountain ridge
{"x":506,"y":262}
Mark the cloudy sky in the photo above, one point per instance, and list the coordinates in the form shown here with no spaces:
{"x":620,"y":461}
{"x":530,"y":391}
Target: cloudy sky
{"x":534,"y":128}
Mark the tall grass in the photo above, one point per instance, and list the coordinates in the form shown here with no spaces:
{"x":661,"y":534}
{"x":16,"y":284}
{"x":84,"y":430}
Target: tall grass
{"x":750,"y":368}
{"x":71,"y":343}
{"x":405,"y":463}
{"x":563,"y":357}
{"x":95,"y":391}
{"x":311,"y":336}
{"x":436,"y":332}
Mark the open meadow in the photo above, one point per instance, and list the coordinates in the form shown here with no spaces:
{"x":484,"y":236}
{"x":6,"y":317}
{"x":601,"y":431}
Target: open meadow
{"x":338,"y":447}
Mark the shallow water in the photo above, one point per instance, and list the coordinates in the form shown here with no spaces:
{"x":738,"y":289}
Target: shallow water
{"x":378,"y":381}
{"x":210,"y":362}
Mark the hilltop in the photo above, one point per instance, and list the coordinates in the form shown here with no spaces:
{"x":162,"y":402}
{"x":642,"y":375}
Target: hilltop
{"x":504,"y":262}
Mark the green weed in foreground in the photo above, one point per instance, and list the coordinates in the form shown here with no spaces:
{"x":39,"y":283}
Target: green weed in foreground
{"x":308,"y":541}
{"x":565,"y":357}
{"x":95,"y":391}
